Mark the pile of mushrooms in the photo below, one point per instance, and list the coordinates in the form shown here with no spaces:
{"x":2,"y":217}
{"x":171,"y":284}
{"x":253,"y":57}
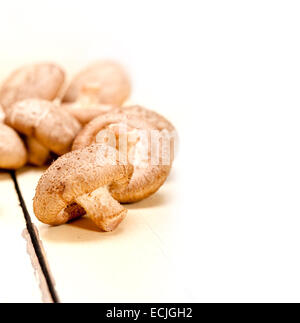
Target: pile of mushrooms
{"x":101,"y":152}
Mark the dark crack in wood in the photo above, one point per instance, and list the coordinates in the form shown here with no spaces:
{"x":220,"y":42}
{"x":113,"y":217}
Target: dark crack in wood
{"x":35,"y":241}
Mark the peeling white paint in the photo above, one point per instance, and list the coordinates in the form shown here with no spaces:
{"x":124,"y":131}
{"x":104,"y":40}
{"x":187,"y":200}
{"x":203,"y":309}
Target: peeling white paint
{"x":46,"y":296}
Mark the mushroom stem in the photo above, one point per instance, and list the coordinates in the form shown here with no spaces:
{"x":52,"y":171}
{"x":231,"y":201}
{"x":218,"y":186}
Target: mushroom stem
{"x":37,"y":153}
{"x":89,"y":94}
{"x":102,"y":208}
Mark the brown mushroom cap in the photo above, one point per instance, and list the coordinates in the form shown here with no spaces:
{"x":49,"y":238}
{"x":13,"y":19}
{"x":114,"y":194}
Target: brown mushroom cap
{"x":114,"y":84}
{"x":155,"y":119}
{"x":53,"y":128}
{"x":152,"y":117}
{"x":77,"y":183}
{"x":13,"y":153}
{"x":87,"y":136}
{"x":144,"y":182}
{"x":147,"y":178}
{"x":42,"y":81}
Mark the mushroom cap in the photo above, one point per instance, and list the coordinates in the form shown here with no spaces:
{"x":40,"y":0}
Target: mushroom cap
{"x":13,"y":153}
{"x":146,"y":179}
{"x":74,"y":175}
{"x":53,"y":128}
{"x":154,"y":118}
{"x":42,"y":81}
{"x":144,"y":182}
{"x":112,"y":79}
{"x":87,"y":136}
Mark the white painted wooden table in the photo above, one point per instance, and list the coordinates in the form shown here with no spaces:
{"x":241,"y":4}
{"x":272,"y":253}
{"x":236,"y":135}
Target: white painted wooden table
{"x":86,"y":265}
{"x":18,"y":280}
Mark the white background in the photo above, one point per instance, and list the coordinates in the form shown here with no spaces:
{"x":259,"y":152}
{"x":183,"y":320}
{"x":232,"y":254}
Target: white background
{"x":227,"y":73}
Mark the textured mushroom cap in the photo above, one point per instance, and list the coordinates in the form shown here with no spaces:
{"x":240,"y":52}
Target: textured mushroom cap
{"x":13,"y":153}
{"x":42,"y":81}
{"x":73,"y":175}
{"x":111,"y":78}
{"x":87,"y":135}
{"x":144,"y":182}
{"x":152,"y":117}
{"x":53,"y":128}
{"x":155,"y":119}
{"x":146,"y":179}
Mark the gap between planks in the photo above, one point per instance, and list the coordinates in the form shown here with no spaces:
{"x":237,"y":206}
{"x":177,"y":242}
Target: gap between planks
{"x":35,"y":242}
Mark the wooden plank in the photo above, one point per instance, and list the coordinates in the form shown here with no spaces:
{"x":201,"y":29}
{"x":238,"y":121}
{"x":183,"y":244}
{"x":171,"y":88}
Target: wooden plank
{"x":18,"y":280}
{"x":130,"y":264}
